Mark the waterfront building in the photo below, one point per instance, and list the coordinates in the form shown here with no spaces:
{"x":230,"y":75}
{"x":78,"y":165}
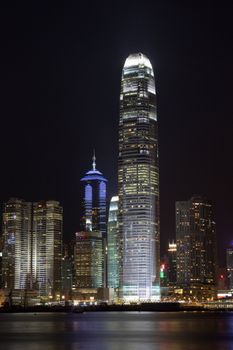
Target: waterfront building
{"x":17,"y":244}
{"x":113,"y":244}
{"x":66,"y":277}
{"x":138,"y":182}
{"x":88,"y":259}
{"x":230,"y":266}
{"x":196,"y":243}
{"x":69,"y":250}
{"x":94,"y":201}
{"x":93,"y":224}
{"x":47,"y":247}
{"x":171,"y":253}
{"x":32,"y":243}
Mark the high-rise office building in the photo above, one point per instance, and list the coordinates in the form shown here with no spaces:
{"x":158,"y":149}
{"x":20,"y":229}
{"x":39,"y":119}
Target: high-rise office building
{"x":47,"y":246}
{"x":138,"y":181}
{"x":91,"y":243}
{"x":113,"y":244}
{"x":94,"y":201}
{"x":17,"y":244}
{"x":196,"y":242}
{"x":32,"y":246}
{"x":66,"y":276}
{"x":230,"y":266}
{"x":171,"y":253}
{"x":67,"y":269}
{"x":88,"y":259}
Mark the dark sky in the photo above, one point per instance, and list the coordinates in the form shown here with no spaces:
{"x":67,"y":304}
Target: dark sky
{"x":60,"y":82}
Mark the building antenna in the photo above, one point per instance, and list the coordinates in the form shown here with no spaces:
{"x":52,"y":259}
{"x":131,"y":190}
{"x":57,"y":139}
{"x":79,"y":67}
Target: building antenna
{"x":94,"y":161}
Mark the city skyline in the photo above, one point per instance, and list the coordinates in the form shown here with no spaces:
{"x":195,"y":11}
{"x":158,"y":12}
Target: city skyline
{"x":45,"y":100}
{"x":139,"y":253}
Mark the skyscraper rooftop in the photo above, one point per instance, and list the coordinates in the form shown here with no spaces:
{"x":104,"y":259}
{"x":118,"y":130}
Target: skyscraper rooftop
{"x":94,"y":174}
{"x":137,"y":59}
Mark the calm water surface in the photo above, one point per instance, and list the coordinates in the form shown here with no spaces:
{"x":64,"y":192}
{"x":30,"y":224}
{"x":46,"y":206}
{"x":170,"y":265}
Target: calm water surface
{"x":117,"y":330}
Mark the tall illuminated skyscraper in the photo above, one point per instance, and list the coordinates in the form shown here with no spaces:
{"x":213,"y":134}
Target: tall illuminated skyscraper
{"x":17,"y":244}
{"x":89,"y":259}
{"x":113,"y":244}
{"x":93,"y":230}
{"x":138,"y":181}
{"x":32,"y":246}
{"x":171,"y":253}
{"x":47,"y":246}
{"x":94,"y":201}
{"x":196,"y":243}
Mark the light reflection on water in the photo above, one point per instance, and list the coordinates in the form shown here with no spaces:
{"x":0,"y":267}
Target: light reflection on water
{"x":117,"y":331}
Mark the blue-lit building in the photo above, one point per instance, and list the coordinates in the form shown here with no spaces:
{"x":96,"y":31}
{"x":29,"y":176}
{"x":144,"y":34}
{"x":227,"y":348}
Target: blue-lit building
{"x":93,"y":218}
{"x":94,"y":201}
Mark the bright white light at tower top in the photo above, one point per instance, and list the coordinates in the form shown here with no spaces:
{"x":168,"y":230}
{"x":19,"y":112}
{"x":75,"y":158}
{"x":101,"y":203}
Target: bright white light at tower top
{"x":137,"y":59}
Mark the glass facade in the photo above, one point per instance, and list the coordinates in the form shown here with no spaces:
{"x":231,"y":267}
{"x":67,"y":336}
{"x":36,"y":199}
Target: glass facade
{"x":47,"y":246}
{"x":196,"y":242}
{"x":94,"y":201}
{"x":89,"y":259}
{"x":93,"y":230}
{"x":138,"y":181}
{"x":17,"y":244}
{"x":171,"y":263}
{"x":32,"y":246}
{"x":67,"y":276}
{"x":113,"y":244}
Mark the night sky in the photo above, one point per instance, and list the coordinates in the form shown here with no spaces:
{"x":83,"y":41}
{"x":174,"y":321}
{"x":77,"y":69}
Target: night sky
{"x":60,"y":83}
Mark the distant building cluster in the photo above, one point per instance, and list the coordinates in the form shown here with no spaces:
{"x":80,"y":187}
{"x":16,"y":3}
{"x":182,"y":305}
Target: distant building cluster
{"x":115,"y":254}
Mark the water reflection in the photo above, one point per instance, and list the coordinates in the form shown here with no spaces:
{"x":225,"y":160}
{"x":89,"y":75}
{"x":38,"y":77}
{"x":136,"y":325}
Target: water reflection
{"x":117,"y":331}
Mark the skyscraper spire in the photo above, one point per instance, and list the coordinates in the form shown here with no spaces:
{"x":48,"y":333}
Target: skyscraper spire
{"x":92,"y":241}
{"x":94,"y":161}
